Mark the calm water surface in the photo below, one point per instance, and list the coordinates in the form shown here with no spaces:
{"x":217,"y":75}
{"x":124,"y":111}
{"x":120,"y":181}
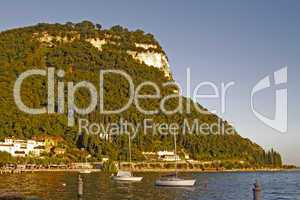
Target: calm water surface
{"x":210,"y":186}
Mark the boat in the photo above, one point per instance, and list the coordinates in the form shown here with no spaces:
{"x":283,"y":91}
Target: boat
{"x":173,"y":180}
{"x":127,"y":176}
{"x":85,"y":171}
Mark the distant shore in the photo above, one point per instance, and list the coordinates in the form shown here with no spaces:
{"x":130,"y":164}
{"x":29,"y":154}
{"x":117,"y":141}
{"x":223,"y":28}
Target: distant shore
{"x":149,"y":170}
{"x":210,"y":170}
{"x":214,"y":170}
{"x":159,"y":167}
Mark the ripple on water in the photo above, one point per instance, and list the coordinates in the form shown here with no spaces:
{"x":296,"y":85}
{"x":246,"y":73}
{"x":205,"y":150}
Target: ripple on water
{"x":210,"y":186}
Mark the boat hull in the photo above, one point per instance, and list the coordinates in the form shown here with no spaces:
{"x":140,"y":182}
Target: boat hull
{"x":175,"y":183}
{"x":127,"y":179}
{"x":85,"y":172}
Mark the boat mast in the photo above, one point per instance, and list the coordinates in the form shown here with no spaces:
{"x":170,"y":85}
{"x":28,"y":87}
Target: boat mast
{"x":129,"y":147}
{"x":175,"y":153}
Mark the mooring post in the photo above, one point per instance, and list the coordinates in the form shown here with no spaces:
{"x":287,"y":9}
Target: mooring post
{"x":80,"y":186}
{"x":256,"y":191}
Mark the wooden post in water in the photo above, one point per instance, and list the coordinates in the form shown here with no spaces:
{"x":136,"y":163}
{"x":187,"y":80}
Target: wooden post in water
{"x":256,"y":191}
{"x":80,"y":186}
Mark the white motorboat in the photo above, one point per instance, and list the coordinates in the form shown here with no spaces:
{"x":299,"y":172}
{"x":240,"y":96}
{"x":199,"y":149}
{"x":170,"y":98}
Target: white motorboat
{"x":126,"y":176}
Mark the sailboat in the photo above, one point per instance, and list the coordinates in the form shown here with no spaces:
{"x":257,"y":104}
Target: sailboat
{"x":127,"y":176}
{"x":173,"y":180}
{"x":85,"y":171}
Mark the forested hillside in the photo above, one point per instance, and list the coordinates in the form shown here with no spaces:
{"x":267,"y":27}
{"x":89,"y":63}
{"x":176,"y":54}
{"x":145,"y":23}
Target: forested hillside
{"x":66,"y":47}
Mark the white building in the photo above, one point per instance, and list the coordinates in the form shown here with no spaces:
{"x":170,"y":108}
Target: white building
{"x":168,"y":156}
{"x":22,"y":148}
{"x":165,"y":153}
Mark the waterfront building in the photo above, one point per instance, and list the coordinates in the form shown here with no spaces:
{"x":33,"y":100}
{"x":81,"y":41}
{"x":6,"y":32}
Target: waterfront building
{"x":22,"y":148}
{"x":168,"y":156}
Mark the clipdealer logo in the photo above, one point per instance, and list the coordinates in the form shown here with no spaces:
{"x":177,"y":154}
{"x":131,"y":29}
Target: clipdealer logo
{"x":280,"y":120}
{"x":56,"y":88}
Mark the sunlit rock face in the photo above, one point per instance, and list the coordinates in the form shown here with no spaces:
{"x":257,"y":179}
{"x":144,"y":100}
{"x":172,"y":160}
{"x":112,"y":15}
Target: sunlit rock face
{"x":158,"y":60}
{"x":145,"y":55}
{"x":96,"y":42}
{"x":49,"y":39}
{"x":146,"y":46}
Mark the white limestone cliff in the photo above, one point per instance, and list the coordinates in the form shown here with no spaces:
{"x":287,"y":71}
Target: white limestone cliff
{"x":148,"y":57}
{"x":154,"y":59}
{"x":98,"y":43}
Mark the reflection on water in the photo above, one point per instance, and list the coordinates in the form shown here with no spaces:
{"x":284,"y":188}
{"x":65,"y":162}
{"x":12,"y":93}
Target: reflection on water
{"x":210,"y":186}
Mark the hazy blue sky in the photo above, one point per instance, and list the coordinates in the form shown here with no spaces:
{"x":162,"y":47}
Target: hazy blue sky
{"x":220,"y":41}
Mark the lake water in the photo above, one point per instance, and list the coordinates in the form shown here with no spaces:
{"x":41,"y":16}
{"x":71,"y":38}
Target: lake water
{"x":210,"y":186}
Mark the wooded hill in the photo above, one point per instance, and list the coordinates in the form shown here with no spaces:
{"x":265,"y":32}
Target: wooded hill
{"x":21,"y":49}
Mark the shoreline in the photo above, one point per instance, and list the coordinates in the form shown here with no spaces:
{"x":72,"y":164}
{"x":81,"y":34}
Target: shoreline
{"x":209,"y":170}
{"x":150,"y":170}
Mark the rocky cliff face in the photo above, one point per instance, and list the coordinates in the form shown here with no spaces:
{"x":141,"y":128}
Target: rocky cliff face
{"x":154,"y":59}
{"x":145,"y":52}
